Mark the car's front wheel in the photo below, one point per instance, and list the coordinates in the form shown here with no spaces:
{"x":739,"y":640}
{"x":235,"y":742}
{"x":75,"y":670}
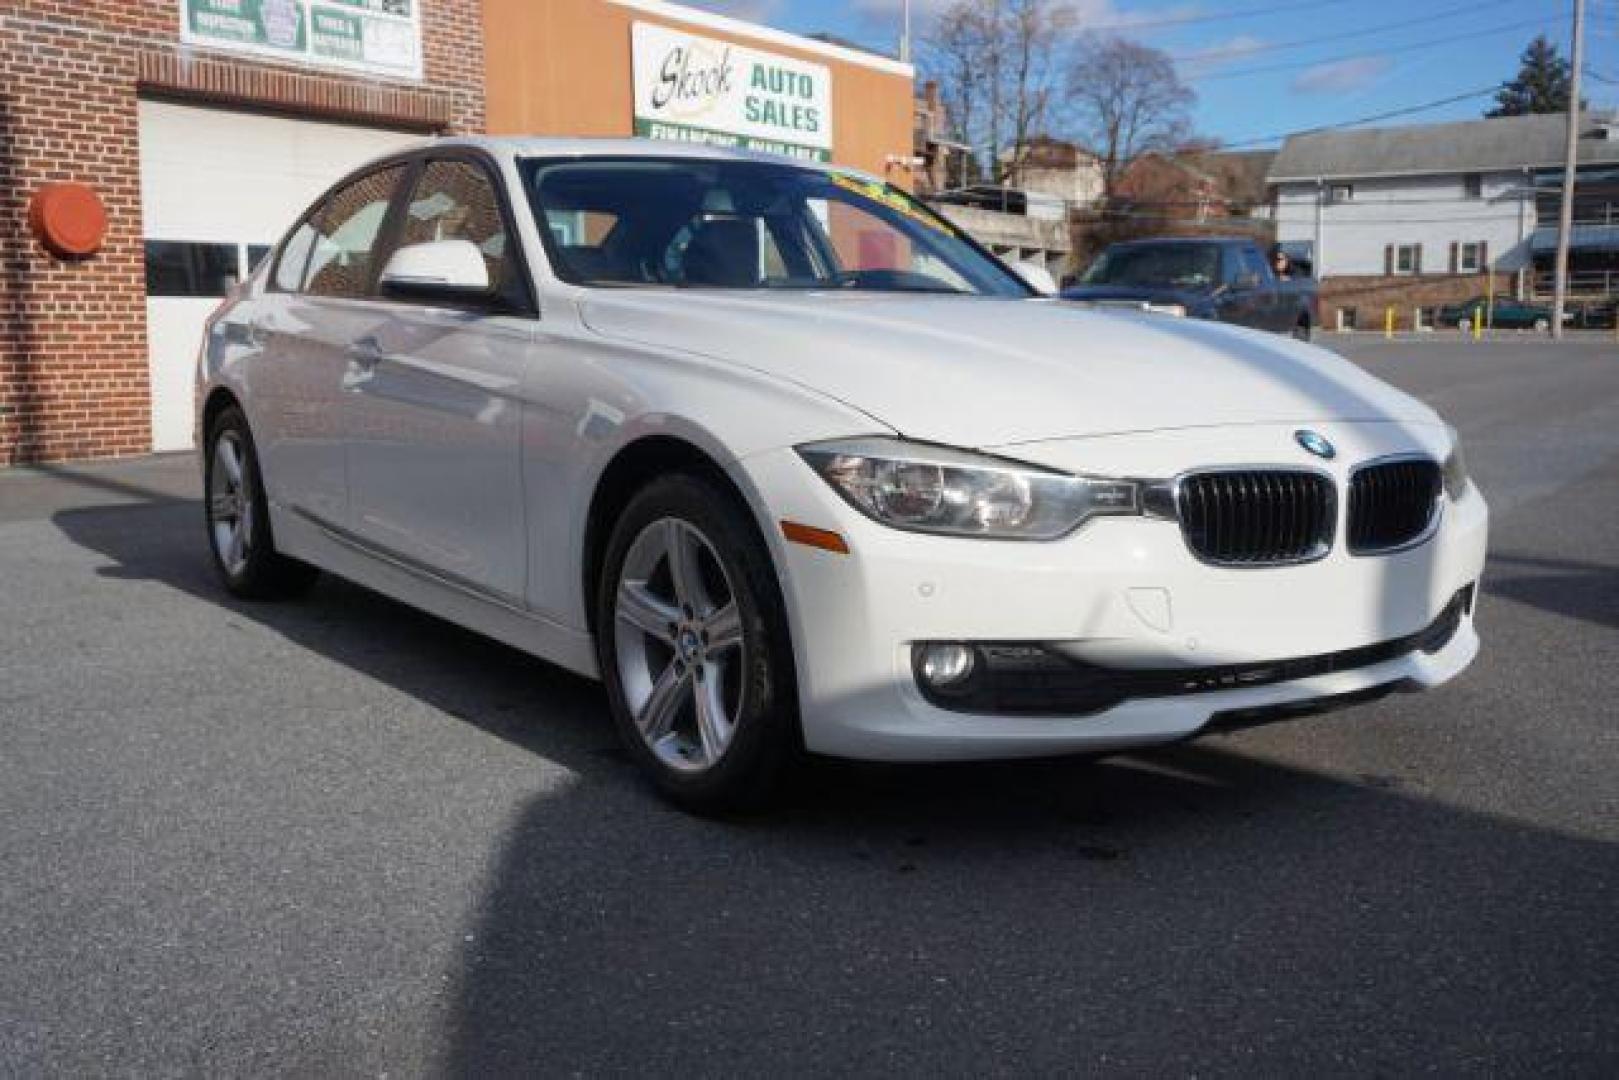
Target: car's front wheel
{"x":238,"y":517}
{"x":693,"y":646}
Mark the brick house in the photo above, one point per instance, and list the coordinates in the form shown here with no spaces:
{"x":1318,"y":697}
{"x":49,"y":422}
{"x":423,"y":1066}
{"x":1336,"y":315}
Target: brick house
{"x":123,"y":96}
{"x":1192,"y":193}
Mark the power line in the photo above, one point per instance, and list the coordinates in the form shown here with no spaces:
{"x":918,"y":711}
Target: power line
{"x":1370,"y":31}
{"x":1409,"y":110}
{"x":1229,"y":16}
{"x":1294,"y":65}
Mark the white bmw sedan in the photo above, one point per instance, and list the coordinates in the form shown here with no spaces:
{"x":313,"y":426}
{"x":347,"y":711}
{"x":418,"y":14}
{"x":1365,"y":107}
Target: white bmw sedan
{"x":791,"y":464}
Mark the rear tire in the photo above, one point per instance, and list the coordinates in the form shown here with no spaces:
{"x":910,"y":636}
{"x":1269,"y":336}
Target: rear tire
{"x":692,"y":641}
{"x":1542,"y":325}
{"x":238,"y":517}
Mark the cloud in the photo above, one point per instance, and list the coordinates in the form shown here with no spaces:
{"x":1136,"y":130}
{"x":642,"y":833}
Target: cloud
{"x":1341,"y":76}
{"x":1221,"y":54}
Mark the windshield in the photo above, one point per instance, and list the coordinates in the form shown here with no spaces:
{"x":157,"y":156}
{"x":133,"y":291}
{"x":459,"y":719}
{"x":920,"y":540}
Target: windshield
{"x":1187,"y":266}
{"x":749,"y":225}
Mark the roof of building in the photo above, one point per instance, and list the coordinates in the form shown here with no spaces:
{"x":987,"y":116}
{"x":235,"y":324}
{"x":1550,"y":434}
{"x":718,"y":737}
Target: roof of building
{"x":1508,"y":142}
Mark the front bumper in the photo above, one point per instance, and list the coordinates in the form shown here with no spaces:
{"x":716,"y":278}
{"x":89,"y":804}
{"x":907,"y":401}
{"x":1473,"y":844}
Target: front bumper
{"x":1120,"y":592}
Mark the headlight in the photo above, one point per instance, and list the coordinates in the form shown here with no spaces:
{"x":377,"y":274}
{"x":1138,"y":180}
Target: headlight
{"x":1178,"y":310}
{"x":936,"y":489}
{"x":1455,"y":470}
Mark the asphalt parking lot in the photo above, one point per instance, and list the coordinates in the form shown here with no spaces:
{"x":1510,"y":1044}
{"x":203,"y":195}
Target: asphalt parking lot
{"x":339,"y":837}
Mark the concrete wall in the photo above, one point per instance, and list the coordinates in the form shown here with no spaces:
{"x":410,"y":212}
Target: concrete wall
{"x":563,"y":67}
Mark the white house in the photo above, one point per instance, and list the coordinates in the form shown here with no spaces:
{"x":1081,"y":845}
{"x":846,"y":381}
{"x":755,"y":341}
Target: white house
{"x":1447,"y":203}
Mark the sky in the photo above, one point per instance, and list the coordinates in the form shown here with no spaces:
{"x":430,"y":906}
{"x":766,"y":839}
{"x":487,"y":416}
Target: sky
{"x":1264,"y":67}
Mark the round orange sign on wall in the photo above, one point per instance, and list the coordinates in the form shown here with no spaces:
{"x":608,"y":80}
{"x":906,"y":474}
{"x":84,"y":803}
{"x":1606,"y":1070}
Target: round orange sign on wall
{"x":68,"y":219}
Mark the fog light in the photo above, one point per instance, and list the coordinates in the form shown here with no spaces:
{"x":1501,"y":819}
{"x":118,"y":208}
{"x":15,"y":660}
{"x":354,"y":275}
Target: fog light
{"x":946,"y":665}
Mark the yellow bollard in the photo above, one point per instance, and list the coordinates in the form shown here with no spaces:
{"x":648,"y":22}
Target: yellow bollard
{"x":1478,"y":324}
{"x":1388,"y":322}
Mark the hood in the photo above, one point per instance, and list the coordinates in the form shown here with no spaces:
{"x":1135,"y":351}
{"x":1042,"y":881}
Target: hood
{"x":986,"y":372}
{"x":1160,"y":294}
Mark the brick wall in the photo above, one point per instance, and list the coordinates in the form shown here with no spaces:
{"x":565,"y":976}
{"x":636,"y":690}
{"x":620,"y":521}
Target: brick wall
{"x":73,"y":364}
{"x":1372,"y":296}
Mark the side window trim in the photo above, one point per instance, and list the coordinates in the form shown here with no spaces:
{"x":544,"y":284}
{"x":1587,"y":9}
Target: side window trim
{"x":392,"y":225}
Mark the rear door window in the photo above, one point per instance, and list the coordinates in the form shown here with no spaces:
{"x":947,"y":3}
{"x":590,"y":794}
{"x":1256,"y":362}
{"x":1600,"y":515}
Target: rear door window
{"x":348,"y":229}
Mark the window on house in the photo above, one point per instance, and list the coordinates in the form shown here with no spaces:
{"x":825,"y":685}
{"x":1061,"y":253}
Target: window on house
{"x":1425,"y":318}
{"x":1339,"y":193}
{"x":1346,"y":318}
{"x":1473,"y":186}
{"x":1470,"y":258}
{"x":180,"y":268}
{"x":1408,"y":258}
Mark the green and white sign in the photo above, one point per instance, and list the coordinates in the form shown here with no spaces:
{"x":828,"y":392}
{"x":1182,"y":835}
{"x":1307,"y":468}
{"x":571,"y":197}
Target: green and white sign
{"x":698,"y":89}
{"x":382,"y":37}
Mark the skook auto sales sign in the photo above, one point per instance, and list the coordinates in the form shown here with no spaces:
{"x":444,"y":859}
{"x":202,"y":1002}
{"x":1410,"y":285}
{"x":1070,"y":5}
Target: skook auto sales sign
{"x":698,"y":89}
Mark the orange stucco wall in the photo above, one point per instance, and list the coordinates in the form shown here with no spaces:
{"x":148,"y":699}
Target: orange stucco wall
{"x":562,"y":67}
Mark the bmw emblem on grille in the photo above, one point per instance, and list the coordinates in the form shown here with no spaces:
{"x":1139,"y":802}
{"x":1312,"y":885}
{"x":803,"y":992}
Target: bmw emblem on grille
{"x":1316,"y":444}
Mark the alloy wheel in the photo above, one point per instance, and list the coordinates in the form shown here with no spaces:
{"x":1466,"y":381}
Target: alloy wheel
{"x":230,"y":503}
{"x":680,"y":648}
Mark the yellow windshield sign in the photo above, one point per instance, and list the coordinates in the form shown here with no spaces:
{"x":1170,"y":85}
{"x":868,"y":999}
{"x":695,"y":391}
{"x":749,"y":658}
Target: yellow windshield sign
{"x":879,"y":192}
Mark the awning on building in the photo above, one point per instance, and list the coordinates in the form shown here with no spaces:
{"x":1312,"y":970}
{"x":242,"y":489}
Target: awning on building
{"x":1583,"y":238}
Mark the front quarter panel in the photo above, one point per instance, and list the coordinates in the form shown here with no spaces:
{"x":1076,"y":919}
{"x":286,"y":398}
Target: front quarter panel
{"x":590,"y":398}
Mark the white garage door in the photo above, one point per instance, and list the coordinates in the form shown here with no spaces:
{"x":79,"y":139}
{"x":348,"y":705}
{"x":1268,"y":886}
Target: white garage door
{"x":217,"y":189}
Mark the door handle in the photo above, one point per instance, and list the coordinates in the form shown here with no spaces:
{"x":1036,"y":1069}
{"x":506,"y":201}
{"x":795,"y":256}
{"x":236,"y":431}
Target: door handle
{"x":242,"y":333}
{"x":365,"y":353}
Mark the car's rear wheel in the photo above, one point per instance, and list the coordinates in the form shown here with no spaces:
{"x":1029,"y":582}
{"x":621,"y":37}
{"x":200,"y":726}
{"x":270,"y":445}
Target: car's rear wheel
{"x":693,"y":646}
{"x":1542,"y":325}
{"x":238,"y":517}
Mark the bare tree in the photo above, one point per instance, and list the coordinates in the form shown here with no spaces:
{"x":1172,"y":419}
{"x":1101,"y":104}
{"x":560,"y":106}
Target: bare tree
{"x":1125,"y":100}
{"x":997,"y":63}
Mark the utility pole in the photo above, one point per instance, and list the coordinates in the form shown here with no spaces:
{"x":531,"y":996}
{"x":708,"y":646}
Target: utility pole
{"x":905,"y":35}
{"x":1565,"y":219}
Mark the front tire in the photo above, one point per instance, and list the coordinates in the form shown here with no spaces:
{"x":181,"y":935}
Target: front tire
{"x":692,"y":641}
{"x":238,"y":517}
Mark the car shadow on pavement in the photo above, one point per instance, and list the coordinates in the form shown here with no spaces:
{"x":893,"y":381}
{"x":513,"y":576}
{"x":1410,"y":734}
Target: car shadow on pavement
{"x":1198,"y":911}
{"x":1200,"y":908}
{"x":1571,"y":588}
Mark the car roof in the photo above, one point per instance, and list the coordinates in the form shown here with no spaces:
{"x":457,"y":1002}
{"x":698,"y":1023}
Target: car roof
{"x":534,"y":146}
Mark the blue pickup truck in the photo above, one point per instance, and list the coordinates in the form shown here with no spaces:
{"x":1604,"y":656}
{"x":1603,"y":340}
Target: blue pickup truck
{"x":1223,"y":278}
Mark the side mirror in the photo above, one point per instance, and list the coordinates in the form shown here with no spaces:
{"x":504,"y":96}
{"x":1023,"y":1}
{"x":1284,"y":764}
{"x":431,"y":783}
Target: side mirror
{"x":443,"y":271}
{"x":1036,"y":277}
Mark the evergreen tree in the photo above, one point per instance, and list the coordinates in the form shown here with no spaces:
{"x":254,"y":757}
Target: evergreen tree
{"x":1541,"y":85}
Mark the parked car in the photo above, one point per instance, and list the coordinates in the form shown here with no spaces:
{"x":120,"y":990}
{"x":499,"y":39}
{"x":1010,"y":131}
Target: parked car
{"x":1221,"y":278}
{"x":1595,"y":315}
{"x":1505,"y":314}
{"x":791,"y":464}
